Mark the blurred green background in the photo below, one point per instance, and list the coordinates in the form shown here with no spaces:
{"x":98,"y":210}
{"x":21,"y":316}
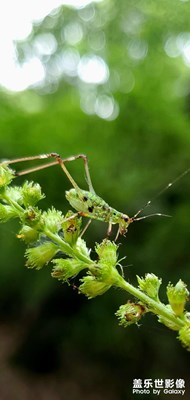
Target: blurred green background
{"x":115,"y":85}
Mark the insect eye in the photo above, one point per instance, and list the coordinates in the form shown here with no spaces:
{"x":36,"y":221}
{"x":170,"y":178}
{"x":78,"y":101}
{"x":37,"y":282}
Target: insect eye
{"x":125,"y":218}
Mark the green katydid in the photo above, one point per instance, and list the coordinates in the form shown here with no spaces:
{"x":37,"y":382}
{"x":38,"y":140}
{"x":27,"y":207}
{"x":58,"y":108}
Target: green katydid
{"x":88,"y":203}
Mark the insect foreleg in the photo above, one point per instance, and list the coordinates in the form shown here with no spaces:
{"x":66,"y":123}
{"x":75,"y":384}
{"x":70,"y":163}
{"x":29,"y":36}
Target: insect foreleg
{"x":71,"y":217}
{"x":109,"y":231}
{"x":86,"y":227}
{"x":117,"y":234}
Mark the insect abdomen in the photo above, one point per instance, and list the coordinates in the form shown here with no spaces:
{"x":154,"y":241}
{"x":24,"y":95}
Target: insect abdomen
{"x":92,"y":206}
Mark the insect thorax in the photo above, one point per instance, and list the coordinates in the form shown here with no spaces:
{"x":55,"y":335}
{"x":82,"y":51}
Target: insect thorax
{"x":92,"y":206}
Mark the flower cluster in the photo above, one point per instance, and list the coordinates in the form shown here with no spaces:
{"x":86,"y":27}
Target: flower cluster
{"x":53,"y":237}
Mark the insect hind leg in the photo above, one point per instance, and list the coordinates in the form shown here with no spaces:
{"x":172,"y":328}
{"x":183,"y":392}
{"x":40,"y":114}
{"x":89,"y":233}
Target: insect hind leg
{"x":58,"y":160}
{"x":73,"y":158}
{"x":30,"y":158}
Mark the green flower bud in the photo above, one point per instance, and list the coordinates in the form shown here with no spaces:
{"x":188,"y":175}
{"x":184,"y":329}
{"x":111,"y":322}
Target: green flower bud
{"x":67,"y":268}
{"x":6,"y":175}
{"x":31,"y":193}
{"x":106,"y":266}
{"x":32,"y":217}
{"x":82,"y":248}
{"x":15,"y":193}
{"x":6,"y":213}
{"x":130,"y":313}
{"x":92,"y":287}
{"x":40,"y":255}
{"x":107,"y":251}
{"x":53,"y":220}
{"x":107,"y":273}
{"x":187,"y":317}
{"x":150,"y":285}
{"x":177,"y":296}
{"x":167,"y":322}
{"x":28,"y":235}
{"x":184,"y":336}
{"x":71,"y":228}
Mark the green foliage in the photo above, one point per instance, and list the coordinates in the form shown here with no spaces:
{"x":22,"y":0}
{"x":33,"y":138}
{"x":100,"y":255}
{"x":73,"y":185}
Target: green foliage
{"x":48,"y":229}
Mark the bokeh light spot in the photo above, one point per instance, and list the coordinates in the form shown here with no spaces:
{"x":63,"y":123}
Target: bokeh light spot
{"x":45,"y":44}
{"x":93,"y":69}
{"x":69,"y":61}
{"x":72,"y":33}
{"x":106,"y":107}
{"x":127,"y":81}
{"x":87,"y":13}
{"x":28,"y":74}
{"x":137,"y":49}
{"x":97,"y":40}
{"x":171,"y":48}
{"x":87,"y":103}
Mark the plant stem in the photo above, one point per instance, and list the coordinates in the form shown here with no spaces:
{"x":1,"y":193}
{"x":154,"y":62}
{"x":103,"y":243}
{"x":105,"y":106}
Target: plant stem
{"x":14,"y":204}
{"x":66,"y":248}
{"x":155,"y":307}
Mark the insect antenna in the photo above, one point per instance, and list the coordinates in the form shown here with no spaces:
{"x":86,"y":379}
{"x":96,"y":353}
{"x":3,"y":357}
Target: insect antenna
{"x":150,"y":215}
{"x":169,"y":185}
